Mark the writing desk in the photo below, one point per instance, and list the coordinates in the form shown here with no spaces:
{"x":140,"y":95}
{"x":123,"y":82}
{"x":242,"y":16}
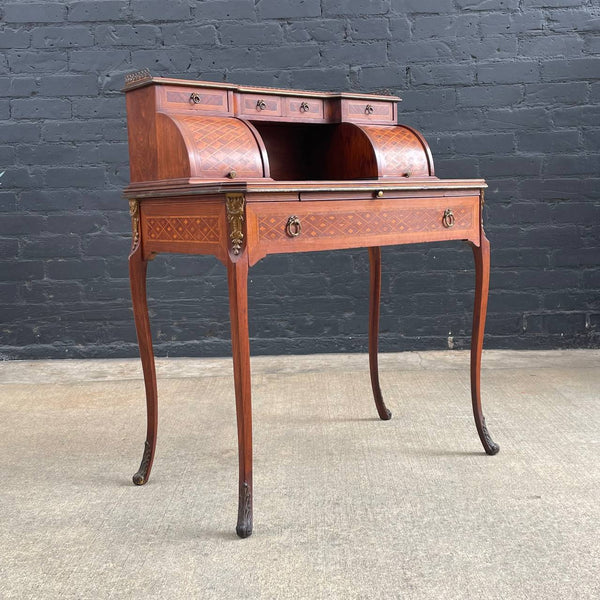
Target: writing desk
{"x":242,"y":172}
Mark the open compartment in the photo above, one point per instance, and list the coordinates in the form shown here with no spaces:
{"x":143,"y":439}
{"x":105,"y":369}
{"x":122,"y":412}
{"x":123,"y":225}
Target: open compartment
{"x":343,"y":151}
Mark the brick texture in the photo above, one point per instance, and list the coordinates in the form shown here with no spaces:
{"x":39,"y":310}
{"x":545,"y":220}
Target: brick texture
{"x":503,"y":89}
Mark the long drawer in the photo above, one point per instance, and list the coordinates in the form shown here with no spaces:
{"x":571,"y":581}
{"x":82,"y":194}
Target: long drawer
{"x":276,"y":227}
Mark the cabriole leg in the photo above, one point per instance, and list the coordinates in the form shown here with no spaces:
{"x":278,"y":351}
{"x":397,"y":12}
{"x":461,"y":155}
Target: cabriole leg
{"x":237,"y":275}
{"x":374,"y":302}
{"x":482,"y":278}
{"x":137,"y":278}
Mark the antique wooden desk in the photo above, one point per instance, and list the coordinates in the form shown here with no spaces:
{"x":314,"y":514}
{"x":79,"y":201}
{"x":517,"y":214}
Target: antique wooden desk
{"x":241,"y":172}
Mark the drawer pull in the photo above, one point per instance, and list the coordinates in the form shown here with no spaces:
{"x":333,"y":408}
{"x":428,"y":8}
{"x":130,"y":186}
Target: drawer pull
{"x":369,"y":110}
{"x":293,"y":226}
{"x":448,"y":218}
{"x":261,"y":105}
{"x":304,"y":107}
{"x":195,"y":98}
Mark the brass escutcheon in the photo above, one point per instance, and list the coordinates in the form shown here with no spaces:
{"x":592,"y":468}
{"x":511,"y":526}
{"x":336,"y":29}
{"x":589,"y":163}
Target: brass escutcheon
{"x":293,"y":226}
{"x":261,"y":105}
{"x":304,"y":107}
{"x":369,"y":110}
{"x":448,"y":218}
{"x":194,"y":98}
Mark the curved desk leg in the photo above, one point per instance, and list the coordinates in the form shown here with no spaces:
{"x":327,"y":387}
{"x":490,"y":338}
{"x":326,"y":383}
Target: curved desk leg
{"x":482,"y":279}
{"x":137,"y":279}
{"x":374,"y":301}
{"x":237,"y":275}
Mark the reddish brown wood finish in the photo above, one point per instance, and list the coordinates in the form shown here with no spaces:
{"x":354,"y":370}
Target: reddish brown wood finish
{"x":193,"y":101}
{"x":185,"y":226}
{"x":180,"y":131}
{"x":241,"y":172}
{"x":141,"y":133}
{"x":481,"y":254}
{"x":354,"y":156}
{"x":374,"y":305}
{"x":219,"y":147}
{"x":358,"y":223}
{"x":368,"y":111}
{"x":237,"y":274}
{"x":137,"y":277}
{"x":399,"y":151}
{"x":308,"y":109}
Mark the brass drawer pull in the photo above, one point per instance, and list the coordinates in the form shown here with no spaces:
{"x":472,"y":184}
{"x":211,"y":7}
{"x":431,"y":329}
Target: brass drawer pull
{"x":195,"y":98}
{"x":304,"y":107}
{"x":261,"y":105}
{"x":448,"y":218}
{"x":293,"y":226}
{"x":369,"y":110}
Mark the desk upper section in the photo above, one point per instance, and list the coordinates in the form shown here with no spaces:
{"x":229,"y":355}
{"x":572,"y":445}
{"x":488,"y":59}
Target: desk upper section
{"x":265,"y":104}
{"x":184,"y":132}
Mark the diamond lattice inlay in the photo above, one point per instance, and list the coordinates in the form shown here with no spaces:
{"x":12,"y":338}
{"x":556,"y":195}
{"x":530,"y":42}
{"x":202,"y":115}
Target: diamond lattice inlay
{"x":400,"y":149}
{"x":183,"y":229}
{"x":221,"y":145}
{"x":272,"y":227}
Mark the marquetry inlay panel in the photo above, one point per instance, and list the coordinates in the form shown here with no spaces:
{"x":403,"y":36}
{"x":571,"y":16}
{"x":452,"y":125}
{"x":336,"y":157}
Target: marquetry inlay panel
{"x":399,"y":149}
{"x":220,"y":146}
{"x":353,"y":223}
{"x":183,"y":229}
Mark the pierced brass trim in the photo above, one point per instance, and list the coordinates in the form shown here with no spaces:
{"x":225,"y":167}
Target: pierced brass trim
{"x":234,"y":206}
{"x":134,"y":213}
{"x":137,"y":76}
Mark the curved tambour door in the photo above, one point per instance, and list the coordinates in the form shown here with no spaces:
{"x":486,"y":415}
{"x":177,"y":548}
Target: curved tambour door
{"x":209,"y":148}
{"x":376,"y":151}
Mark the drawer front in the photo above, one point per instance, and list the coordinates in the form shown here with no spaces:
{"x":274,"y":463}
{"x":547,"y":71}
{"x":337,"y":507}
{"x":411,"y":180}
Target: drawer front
{"x":194,"y":100}
{"x":183,"y":226}
{"x":276,"y":227}
{"x":256,"y":106}
{"x":363,"y":111}
{"x":304,"y":108}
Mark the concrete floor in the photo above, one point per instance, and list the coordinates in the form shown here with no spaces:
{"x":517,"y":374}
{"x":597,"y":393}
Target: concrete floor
{"x":346,"y":506}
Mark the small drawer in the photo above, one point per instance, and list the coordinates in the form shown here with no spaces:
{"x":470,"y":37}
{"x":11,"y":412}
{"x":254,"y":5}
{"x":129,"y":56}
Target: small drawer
{"x":365,"y":111}
{"x":194,"y":100}
{"x":275,"y":227}
{"x":259,"y":105}
{"x":305,"y":108}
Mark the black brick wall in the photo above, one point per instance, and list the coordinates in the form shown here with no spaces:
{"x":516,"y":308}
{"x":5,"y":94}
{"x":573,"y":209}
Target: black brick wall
{"x":504,"y":89}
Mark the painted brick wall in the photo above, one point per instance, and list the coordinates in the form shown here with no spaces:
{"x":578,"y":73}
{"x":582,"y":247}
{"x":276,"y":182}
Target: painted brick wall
{"x":504,"y":89}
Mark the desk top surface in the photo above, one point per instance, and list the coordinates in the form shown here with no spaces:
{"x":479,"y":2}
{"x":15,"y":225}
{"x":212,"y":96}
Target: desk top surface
{"x":259,"y":190}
